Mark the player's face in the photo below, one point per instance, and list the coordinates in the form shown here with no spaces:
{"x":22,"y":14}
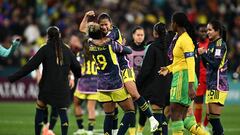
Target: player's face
{"x":105,"y":25}
{"x":202,"y":33}
{"x":75,"y":44}
{"x":138,"y":36}
{"x":212,"y":34}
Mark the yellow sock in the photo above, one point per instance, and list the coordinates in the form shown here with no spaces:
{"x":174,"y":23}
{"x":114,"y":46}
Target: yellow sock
{"x":196,"y":129}
{"x":140,"y":129}
{"x":178,"y":133}
{"x":132,"y":131}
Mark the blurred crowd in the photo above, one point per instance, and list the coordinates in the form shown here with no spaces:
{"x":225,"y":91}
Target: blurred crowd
{"x":31,"y":18}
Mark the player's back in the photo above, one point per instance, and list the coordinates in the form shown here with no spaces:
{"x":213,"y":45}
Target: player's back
{"x":108,"y":70}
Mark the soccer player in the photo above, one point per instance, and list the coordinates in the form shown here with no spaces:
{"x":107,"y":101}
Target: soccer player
{"x":203,"y":41}
{"x":184,"y":80}
{"x":57,"y":60}
{"x":8,"y":52}
{"x":113,"y":33}
{"x":155,"y":88}
{"x":86,"y":88}
{"x":215,"y":59}
{"x":110,"y":83}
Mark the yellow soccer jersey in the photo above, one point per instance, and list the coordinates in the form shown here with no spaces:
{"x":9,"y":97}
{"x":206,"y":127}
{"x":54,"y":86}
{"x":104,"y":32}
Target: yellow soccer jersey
{"x":183,"y":56}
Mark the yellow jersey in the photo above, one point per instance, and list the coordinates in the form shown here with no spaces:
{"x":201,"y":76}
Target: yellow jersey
{"x":183,"y":56}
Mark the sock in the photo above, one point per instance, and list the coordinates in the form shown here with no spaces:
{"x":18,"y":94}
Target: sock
{"x":198,"y":113}
{"x":64,"y":120}
{"x":91,"y":123}
{"x":191,"y":125}
{"x":159,"y":116}
{"x":133,"y":123}
{"x":108,"y":123}
{"x":217,"y":128}
{"x":115,"y":119}
{"x":143,"y":105}
{"x":39,"y":120}
{"x":142,"y":118}
{"x":205,"y":122}
{"x":79,"y":121}
{"x":45,"y":117}
{"x":140,"y":128}
{"x":177,"y":128}
{"x":132,"y":131}
{"x":53,"y":118}
{"x":126,"y":121}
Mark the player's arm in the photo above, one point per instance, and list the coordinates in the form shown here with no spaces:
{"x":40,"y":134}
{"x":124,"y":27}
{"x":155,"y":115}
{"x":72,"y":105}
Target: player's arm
{"x":219,"y":54}
{"x":8,"y":52}
{"x":118,"y":48}
{"x":112,"y":35}
{"x":148,"y":63}
{"x":31,"y":65}
{"x":83,"y":27}
{"x":75,"y":66}
{"x":188,"y":49}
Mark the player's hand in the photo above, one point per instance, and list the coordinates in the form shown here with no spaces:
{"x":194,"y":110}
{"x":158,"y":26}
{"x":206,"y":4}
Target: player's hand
{"x":163,"y":71}
{"x":191,"y":91}
{"x":71,"y":82}
{"x":90,"y":13}
{"x":201,"y":50}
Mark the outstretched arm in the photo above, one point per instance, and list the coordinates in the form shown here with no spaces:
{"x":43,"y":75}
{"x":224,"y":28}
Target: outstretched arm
{"x":84,"y":24}
{"x":31,"y":65}
{"x":8,"y":52}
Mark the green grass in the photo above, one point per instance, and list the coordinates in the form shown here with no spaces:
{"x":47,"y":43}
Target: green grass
{"x":18,"y":119}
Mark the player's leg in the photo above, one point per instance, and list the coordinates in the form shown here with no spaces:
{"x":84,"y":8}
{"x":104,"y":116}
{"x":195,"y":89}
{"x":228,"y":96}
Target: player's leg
{"x":91,"y":105}
{"x":64,"y":120}
{"x":39,"y":117}
{"x":131,"y":87}
{"x":53,"y":118}
{"x":78,"y":114}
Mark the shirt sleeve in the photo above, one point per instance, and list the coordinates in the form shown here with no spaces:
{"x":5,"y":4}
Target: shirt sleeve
{"x":31,"y":65}
{"x":188,"y":49}
{"x":7,"y":52}
{"x":75,"y":66}
{"x":147,"y":66}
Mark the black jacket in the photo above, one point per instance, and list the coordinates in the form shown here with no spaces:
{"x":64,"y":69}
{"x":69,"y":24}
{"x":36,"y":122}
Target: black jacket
{"x":54,"y":85}
{"x":150,"y":84}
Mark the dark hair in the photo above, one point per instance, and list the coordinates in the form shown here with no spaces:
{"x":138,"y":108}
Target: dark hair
{"x":181,"y":20}
{"x":54,"y":38}
{"x":87,"y":54}
{"x":137,"y":28}
{"x":94,"y":31}
{"x":104,"y":16}
{"x":161,"y":30}
{"x":217,"y":26}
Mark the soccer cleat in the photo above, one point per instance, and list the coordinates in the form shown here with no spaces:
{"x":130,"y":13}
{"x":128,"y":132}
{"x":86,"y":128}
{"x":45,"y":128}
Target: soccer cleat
{"x":154,"y":124}
{"x":80,"y":132}
{"x":114,"y":131}
{"x":89,"y":132}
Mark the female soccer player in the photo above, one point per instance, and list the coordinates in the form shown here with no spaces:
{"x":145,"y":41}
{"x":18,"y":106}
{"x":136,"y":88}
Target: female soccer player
{"x":215,"y":59}
{"x":7,"y":52}
{"x":57,"y":60}
{"x":86,"y":87}
{"x":110,"y":83}
{"x":184,"y":80}
{"x":155,"y":88}
{"x":113,"y":33}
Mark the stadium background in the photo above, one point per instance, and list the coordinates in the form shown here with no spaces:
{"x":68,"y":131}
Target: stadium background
{"x":30,"y":19}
